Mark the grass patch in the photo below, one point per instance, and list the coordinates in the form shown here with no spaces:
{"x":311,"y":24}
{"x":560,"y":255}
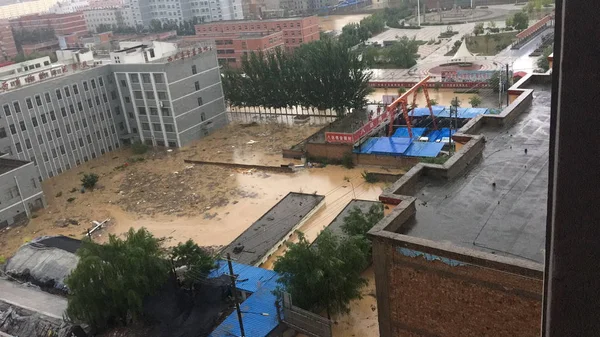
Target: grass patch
{"x":26,"y":239}
{"x":492,"y":44}
{"x":347,"y":160}
{"x":369,"y":177}
{"x":2,"y":259}
{"x":437,"y":160}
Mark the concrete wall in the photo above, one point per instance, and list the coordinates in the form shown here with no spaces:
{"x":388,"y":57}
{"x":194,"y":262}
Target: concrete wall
{"x":387,"y":161}
{"x":327,"y":150}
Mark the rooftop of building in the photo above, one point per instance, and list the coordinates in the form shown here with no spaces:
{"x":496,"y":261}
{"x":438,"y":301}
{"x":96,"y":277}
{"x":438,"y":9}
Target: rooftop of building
{"x":276,"y":224}
{"x":258,"y":311}
{"x":294,"y":18}
{"x":7,"y":165}
{"x":498,"y":205}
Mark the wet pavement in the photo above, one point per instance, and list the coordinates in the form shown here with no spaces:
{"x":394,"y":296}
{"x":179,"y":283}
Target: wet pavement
{"x":508,"y":218}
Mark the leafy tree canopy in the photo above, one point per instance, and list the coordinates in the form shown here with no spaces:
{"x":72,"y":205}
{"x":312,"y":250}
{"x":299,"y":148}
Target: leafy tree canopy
{"x":111,"y":280}
{"x":543,"y":62}
{"x":359,"y":223}
{"x":198,"y":261}
{"x":520,"y":21}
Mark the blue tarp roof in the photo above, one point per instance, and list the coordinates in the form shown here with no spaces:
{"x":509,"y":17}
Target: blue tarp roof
{"x":424,"y":149}
{"x":390,"y":145}
{"x":444,"y":112}
{"x":250,"y":278}
{"x":261,"y":283}
{"x":403,"y":132}
{"x":437,"y":135}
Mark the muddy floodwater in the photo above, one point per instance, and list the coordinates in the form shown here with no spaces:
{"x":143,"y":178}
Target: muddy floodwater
{"x":337,"y":22}
{"x":223,"y":224}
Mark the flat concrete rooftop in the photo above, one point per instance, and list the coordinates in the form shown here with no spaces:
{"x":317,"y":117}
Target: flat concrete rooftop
{"x":265,"y":235}
{"x":508,"y":219}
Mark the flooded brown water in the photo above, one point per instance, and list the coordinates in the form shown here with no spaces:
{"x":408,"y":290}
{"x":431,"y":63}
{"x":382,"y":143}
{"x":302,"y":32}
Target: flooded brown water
{"x":337,"y":22}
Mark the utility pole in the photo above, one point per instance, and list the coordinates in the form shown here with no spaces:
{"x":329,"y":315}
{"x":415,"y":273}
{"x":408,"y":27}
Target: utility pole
{"x":507,"y":79}
{"x":419,"y":13}
{"x":235,"y":295}
{"x":500,"y":88}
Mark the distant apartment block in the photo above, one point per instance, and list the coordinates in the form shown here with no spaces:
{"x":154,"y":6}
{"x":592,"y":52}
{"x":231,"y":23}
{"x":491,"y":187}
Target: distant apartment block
{"x":232,"y":47}
{"x":8,"y":49}
{"x":57,"y":116}
{"x":69,"y":6}
{"x":295,"y":31}
{"x":111,"y":16}
{"x":185,"y":10}
{"x":63,"y":24}
{"x":16,"y":8}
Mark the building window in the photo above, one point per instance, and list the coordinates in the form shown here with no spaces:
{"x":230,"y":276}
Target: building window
{"x":6,"y":110}
{"x":45,"y":156}
{"x":127,"y":99}
{"x":141,"y":110}
{"x":68,"y":128}
{"x":194,"y":70}
{"x":85,"y":86}
{"x":89,"y":139}
{"x":80,"y":142}
{"x":52,"y":115}
{"x":54,"y":153}
{"x":158,"y":78}
{"x":202,"y":117}
{"x":134,"y":78}
{"x":58,"y":94}
{"x":44,"y":118}
{"x":22,"y":125}
{"x":71,"y":108}
{"x":73,"y":146}
{"x":197,"y":84}
{"x":28,"y":143}
{"x":117,"y":110}
{"x":113,"y":95}
{"x":38,"y":100}
{"x":2,"y":132}
{"x":93,"y":83}
{"x":138,"y":95}
{"x":98,"y":136}
{"x":162,"y":95}
{"x":17,"y":107}
{"x":40,"y":139}
{"x":145,"y":126}
{"x":57,"y":131}
{"x":47,"y":96}
{"x":13,"y":130}
{"x":169,"y":128}
{"x":104,"y":98}
{"x":80,"y":106}
{"x":49,"y":135}
{"x":146,"y":78}
{"x":29,"y":104}
{"x":153,"y":111}
{"x":149,"y":94}
{"x":18,"y":147}
{"x":89,"y":103}
{"x":156,"y":127}
{"x":84,"y":122}
{"x":200,"y":101}
{"x":63,"y":111}
{"x":75,"y":89}
{"x":13,"y":192}
{"x":100,"y":81}
{"x":67,"y":92}
{"x":123,"y":83}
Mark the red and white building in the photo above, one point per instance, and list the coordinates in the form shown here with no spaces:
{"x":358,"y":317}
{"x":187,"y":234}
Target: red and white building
{"x":8,"y":49}
{"x":63,"y":24}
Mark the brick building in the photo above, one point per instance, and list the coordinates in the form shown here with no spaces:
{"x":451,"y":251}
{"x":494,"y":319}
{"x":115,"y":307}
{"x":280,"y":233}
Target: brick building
{"x":295,"y":31}
{"x":63,"y":24}
{"x":232,"y":47}
{"x":8,"y":49}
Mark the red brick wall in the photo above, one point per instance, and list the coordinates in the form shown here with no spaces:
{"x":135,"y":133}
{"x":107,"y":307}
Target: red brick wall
{"x":327,"y":150}
{"x":389,"y":161}
{"x":431,"y":298}
{"x":7,"y":41}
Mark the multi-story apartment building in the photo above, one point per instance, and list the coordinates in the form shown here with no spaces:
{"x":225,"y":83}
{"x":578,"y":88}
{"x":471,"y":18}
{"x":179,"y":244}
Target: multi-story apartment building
{"x":62,"y":24}
{"x":233,"y":46}
{"x":185,"y":10}
{"x":18,"y":8}
{"x":69,"y":6}
{"x":111,"y":16}
{"x":298,"y":7}
{"x":57,"y":116}
{"x":8,"y":49}
{"x":295,"y":30}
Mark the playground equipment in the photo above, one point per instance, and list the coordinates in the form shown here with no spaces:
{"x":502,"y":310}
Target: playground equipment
{"x":399,"y":104}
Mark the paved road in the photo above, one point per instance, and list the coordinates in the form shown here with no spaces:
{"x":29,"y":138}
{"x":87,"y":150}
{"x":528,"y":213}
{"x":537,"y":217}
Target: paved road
{"x":32,"y":299}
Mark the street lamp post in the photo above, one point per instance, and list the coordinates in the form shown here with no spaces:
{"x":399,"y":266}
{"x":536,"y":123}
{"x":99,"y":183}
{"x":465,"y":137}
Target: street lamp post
{"x":419,"y":13}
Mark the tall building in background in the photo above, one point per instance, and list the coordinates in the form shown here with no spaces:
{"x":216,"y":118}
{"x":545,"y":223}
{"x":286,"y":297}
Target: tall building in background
{"x":8,"y":49}
{"x":111,"y":16}
{"x":62,"y":24}
{"x":14,"y":8}
{"x":185,"y":10}
{"x":295,"y":31}
{"x":57,"y":116}
{"x":69,"y":6}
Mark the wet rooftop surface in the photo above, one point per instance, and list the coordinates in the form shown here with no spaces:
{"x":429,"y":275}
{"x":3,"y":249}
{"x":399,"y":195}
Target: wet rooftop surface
{"x":272,"y":227}
{"x":508,"y":219}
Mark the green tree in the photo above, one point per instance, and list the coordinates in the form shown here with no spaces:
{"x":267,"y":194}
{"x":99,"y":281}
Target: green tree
{"x":492,"y":24}
{"x":193,"y":256}
{"x":359,"y":223}
{"x":509,"y":21}
{"x":487,"y":37}
{"x":111,"y":280}
{"x":325,"y":277}
{"x":478,"y":30}
{"x":401,"y":91}
{"x":475,"y":101}
{"x":543,"y":62}
{"x":437,"y":86}
{"x":520,"y":21}
{"x":433,"y":101}
{"x":403,"y":53}
{"x":89,"y":180}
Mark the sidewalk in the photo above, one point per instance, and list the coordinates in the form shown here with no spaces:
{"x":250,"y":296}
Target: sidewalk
{"x":32,"y":299}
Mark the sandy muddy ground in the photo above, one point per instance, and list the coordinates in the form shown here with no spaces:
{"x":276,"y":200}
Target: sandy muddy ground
{"x":165,"y":194}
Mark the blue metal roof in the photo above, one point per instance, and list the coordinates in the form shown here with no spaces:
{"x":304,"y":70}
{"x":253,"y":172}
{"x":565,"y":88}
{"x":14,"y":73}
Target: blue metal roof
{"x":261,"y":283}
{"x":250,"y":278}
